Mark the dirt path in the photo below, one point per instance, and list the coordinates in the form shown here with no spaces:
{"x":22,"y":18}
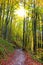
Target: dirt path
{"x":21,"y":58}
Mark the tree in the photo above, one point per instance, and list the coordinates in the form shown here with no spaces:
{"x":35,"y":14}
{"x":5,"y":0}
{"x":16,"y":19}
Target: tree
{"x":34,"y":20}
{"x":24,"y":30}
{"x":0,"y":16}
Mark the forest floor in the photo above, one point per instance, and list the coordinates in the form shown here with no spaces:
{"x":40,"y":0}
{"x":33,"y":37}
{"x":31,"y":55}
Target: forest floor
{"x":20,"y":57}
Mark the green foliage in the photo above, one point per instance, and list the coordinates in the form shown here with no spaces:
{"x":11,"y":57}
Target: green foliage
{"x":5,"y":48}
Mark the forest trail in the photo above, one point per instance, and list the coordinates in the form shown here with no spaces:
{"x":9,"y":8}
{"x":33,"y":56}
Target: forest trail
{"x":21,"y":58}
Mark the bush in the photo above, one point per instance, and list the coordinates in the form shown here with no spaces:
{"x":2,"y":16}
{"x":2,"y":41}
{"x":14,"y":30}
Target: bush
{"x":5,"y":49}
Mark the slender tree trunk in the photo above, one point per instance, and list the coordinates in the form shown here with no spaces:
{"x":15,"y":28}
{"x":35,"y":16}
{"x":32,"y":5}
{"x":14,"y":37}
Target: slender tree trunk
{"x":34,"y":28}
{"x":3,"y":13}
{"x":24,"y":33}
{"x":6,"y":24}
{"x":24,"y":29}
{"x":0,"y":18}
{"x":34,"y":36}
{"x":42,"y":32}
